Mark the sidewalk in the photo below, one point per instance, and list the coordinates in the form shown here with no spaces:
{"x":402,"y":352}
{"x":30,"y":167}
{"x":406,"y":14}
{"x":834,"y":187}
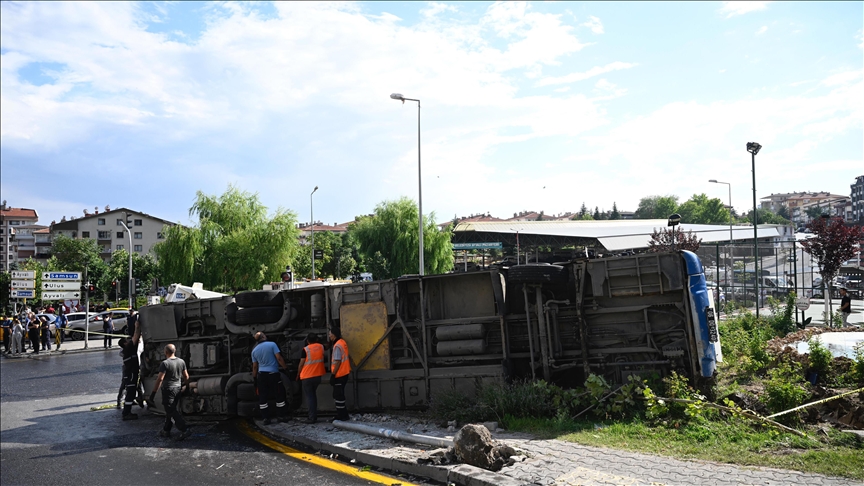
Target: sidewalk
{"x":545,"y":462}
{"x":71,"y":347}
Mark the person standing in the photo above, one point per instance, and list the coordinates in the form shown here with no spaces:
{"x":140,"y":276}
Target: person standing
{"x":310,"y":372}
{"x":845,"y":306}
{"x":45,"y":333}
{"x":60,"y":327}
{"x":108,"y":329}
{"x":33,"y":331}
{"x":340,"y":367}
{"x":131,"y":369}
{"x":266,"y":363}
{"x":17,"y":337}
{"x":172,"y":376}
{"x":7,"y":333}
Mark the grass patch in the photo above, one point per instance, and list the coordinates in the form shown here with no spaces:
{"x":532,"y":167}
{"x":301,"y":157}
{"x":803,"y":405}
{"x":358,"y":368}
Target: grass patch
{"x":720,"y":441}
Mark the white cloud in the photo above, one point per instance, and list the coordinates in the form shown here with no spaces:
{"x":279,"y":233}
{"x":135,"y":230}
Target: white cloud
{"x":859,"y":36}
{"x":594,"y":24}
{"x":435,"y":8}
{"x":731,"y":9}
{"x":595,"y":71}
{"x":762,"y":30}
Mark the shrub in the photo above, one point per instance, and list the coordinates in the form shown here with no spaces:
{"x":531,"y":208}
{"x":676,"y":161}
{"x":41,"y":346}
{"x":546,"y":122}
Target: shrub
{"x":783,"y":389}
{"x":819,"y":357}
{"x":858,"y":364}
{"x":782,"y":321}
{"x":454,"y":405}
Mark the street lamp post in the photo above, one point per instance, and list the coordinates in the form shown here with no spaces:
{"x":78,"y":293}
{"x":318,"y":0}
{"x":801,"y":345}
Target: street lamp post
{"x":729,"y":186}
{"x":312,"y":230}
{"x":674,"y":220}
{"x":754,"y":148}
{"x":517,"y":245}
{"x":127,"y":217}
{"x":397,"y":96}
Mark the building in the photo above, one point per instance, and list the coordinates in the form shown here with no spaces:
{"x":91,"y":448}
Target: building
{"x":774,"y":202}
{"x":306,"y":229}
{"x":15,"y":222}
{"x":107,"y":230}
{"x":833,"y":205}
{"x":857,"y":195}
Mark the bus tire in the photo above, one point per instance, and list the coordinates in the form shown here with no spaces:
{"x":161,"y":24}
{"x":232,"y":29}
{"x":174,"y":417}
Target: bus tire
{"x":258,"y":315}
{"x":259,"y":298}
{"x":247,"y":408}
{"x":246,"y":392}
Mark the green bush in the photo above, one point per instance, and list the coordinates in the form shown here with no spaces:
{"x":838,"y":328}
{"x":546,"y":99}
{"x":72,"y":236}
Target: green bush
{"x":782,"y":320}
{"x":783,"y":389}
{"x":858,"y":364}
{"x":743,"y":339}
{"x":454,"y":405}
{"x":819,"y":357}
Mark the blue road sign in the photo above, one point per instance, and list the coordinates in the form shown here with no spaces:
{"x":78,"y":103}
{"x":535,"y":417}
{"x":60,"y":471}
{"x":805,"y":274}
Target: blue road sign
{"x":61,"y":275}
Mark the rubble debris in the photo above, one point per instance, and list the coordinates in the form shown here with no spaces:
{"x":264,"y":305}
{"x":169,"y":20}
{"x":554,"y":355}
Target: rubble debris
{"x":473,"y":445}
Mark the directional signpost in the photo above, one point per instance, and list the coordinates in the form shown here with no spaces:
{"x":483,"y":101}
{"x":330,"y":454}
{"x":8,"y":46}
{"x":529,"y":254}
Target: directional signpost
{"x":65,"y":286}
{"x":23,"y":285}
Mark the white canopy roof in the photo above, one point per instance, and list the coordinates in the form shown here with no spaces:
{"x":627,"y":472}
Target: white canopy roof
{"x":617,"y":235}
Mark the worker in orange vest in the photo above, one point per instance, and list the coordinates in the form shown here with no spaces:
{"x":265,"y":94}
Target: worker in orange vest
{"x":340,"y":367}
{"x":310,"y":372}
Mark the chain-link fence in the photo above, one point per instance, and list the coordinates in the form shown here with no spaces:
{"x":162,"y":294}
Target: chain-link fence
{"x":781,"y":267}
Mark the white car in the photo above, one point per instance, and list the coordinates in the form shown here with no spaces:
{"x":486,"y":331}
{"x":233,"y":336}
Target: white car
{"x":75,"y":324}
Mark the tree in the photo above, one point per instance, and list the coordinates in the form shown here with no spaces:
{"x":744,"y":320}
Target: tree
{"x":540,"y":216}
{"x":388,"y":243}
{"x":596,"y":214}
{"x":815,"y":212}
{"x":783,"y":212}
{"x":661,"y":241}
{"x":656,"y":207}
{"x":235,"y":245}
{"x":77,"y":255}
{"x":832,"y":243}
{"x":144,"y":267}
{"x":582,"y":211}
{"x":338,"y":258}
{"x":764,"y":216}
{"x":701,"y":210}
{"x":615,"y":214}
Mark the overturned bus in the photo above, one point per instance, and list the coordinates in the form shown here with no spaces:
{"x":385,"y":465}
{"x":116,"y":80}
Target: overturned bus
{"x":413,"y":337}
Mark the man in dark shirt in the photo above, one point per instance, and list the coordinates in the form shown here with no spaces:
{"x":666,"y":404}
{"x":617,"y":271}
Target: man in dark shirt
{"x":845,"y":306}
{"x":172,"y":376}
{"x":131,"y":368}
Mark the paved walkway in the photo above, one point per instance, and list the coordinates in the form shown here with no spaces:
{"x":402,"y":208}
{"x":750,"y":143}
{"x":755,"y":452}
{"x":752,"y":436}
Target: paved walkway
{"x":563,"y":463}
{"x":549,"y":462}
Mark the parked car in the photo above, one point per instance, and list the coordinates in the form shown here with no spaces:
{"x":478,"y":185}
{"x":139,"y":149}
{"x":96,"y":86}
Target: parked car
{"x":75,"y":324}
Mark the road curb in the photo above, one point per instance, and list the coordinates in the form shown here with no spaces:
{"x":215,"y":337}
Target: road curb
{"x":462,"y":474}
{"x":62,"y":352}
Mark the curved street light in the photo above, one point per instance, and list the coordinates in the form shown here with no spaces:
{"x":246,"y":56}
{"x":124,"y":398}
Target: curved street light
{"x":398,"y":96}
{"x":754,"y":148}
{"x":312,"y":230}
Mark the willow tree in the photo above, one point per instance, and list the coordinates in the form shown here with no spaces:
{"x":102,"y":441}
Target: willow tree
{"x":388,"y":241}
{"x":235,"y":244}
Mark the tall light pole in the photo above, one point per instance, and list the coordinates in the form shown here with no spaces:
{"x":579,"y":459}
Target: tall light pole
{"x":517,"y":245}
{"x":128,"y":219}
{"x":729,"y":186}
{"x":312,"y":230}
{"x":754,"y":148}
{"x":674,"y":220}
{"x":397,"y":96}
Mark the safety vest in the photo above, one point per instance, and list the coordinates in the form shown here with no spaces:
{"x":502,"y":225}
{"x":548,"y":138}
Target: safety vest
{"x":345,"y":367}
{"x":314,"y":365}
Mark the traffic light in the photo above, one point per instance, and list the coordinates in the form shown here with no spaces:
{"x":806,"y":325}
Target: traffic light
{"x":137,"y":286}
{"x":91,"y":288}
{"x":113,"y":285}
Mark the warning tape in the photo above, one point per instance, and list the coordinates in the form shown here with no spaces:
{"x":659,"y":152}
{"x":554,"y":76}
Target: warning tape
{"x":816,"y":402}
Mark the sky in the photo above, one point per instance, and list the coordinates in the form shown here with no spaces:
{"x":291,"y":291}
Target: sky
{"x":525,"y":106}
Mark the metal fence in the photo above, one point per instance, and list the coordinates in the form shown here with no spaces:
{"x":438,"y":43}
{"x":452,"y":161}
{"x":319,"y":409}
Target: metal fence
{"x":781,"y":267}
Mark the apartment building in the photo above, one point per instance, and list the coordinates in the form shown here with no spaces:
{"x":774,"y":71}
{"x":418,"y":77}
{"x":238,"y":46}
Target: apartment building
{"x":106,"y":228}
{"x":857,"y":195}
{"x":17,"y":242}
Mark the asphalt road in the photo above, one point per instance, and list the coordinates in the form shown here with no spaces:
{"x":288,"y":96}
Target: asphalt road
{"x":49,"y":435}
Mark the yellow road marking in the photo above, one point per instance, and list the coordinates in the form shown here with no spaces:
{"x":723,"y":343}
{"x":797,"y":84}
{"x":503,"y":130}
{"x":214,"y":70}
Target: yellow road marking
{"x":320,"y":461}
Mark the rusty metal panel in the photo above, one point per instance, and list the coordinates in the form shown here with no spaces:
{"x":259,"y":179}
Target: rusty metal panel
{"x":362,"y":326}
